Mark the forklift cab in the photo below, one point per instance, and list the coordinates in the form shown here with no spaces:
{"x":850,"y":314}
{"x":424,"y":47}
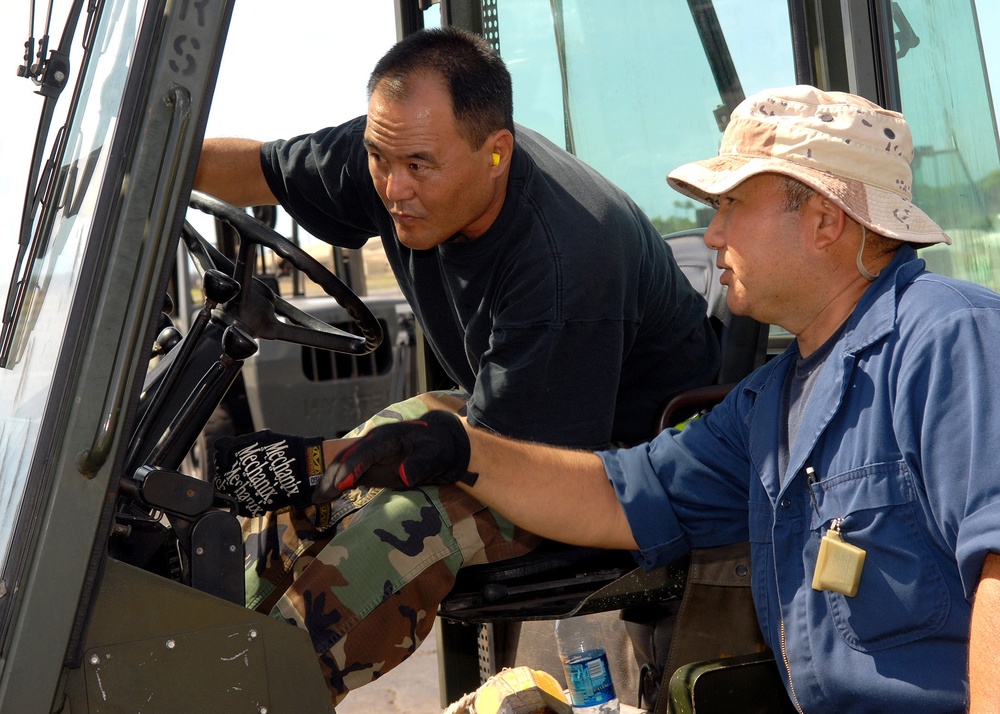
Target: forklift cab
{"x":117,"y":587}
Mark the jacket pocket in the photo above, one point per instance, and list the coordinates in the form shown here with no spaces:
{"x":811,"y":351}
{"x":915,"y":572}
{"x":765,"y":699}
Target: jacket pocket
{"x":902,"y":595}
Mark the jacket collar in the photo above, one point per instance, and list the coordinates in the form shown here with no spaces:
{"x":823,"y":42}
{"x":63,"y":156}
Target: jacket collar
{"x":873,"y":318}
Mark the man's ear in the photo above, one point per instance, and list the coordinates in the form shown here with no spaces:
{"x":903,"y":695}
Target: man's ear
{"x":501,"y":143}
{"x":829,"y":218}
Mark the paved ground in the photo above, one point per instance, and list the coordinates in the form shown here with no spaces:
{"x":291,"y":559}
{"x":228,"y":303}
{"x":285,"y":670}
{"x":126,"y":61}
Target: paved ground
{"x":411,"y":688}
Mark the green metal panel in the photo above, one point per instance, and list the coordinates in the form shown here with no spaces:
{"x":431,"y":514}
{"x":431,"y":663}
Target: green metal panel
{"x":154,"y":646}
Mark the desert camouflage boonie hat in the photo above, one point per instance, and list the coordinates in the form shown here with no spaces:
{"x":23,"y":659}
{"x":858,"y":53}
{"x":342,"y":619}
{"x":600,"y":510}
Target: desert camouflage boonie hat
{"x":843,"y":146}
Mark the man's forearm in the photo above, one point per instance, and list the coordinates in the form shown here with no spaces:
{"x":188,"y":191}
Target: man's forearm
{"x":984,"y":643}
{"x":557,"y":493}
{"x":230,"y":169}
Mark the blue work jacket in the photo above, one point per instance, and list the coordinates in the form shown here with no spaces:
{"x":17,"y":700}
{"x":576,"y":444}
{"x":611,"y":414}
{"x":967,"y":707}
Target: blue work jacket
{"x":902,"y":434}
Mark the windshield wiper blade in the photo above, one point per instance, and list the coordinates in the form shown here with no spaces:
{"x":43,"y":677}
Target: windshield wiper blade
{"x":52,"y":76}
{"x":28,"y":252}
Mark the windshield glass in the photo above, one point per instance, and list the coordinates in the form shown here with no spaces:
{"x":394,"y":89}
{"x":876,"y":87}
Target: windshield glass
{"x":946,"y":97}
{"x":637,"y":93}
{"x":50,"y":281}
{"x":641,"y":94}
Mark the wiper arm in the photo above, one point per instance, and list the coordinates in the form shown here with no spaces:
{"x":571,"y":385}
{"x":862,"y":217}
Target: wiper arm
{"x":906,"y":38}
{"x":28,"y":69}
{"x":720,"y":60}
{"x":51,"y":75}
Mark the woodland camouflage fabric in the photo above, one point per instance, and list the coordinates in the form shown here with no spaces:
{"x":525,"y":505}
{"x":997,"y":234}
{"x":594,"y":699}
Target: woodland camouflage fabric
{"x":365,"y":574}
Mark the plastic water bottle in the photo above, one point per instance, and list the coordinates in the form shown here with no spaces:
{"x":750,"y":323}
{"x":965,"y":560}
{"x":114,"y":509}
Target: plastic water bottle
{"x":585,"y":662}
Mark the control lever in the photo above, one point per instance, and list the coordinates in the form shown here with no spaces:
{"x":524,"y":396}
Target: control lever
{"x":206,"y":395}
{"x":219,"y":288}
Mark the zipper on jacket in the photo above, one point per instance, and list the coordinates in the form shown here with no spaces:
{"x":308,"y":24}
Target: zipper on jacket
{"x":811,"y":480}
{"x":788,"y":670}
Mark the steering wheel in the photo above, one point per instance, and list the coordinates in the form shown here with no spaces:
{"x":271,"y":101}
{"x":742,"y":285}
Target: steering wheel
{"x":256,"y":308}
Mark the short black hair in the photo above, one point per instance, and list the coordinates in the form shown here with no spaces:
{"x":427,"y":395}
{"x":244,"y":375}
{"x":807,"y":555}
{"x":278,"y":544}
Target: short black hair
{"x":477,"y":79}
{"x":796,"y":193}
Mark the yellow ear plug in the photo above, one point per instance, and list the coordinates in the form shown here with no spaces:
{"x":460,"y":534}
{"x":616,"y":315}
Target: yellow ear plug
{"x":496,"y":158}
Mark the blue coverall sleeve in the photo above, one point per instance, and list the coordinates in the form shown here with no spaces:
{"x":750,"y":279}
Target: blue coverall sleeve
{"x":686,"y":489}
{"x":948,"y":421}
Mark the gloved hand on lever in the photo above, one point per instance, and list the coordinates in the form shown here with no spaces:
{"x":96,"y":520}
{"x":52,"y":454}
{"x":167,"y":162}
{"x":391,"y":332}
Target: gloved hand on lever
{"x":431,"y":450}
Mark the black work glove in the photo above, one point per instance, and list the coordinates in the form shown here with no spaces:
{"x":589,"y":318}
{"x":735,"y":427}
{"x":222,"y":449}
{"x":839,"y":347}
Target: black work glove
{"x":265,"y":471}
{"x":434,"y":450}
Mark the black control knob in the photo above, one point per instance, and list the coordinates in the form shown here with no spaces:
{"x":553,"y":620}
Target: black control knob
{"x":237,"y":345}
{"x":219,"y":287}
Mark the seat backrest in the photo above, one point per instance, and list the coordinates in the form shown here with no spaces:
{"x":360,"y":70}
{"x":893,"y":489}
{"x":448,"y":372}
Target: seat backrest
{"x":697,"y":261}
{"x":743,"y":339}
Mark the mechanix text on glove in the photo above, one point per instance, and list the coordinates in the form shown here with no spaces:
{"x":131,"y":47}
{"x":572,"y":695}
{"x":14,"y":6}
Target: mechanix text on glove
{"x":265,"y":471}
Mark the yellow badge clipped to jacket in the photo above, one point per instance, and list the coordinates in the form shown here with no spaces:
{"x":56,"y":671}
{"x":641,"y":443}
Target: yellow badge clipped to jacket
{"x":839,"y":564}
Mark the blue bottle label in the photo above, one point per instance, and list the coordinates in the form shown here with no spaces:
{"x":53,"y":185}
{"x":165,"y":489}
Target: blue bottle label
{"x":589,"y":679}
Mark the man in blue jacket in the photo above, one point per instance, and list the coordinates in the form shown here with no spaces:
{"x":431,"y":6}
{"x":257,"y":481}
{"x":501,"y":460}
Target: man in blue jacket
{"x":863,"y":463}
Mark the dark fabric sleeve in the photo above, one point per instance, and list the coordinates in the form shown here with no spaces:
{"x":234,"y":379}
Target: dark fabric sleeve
{"x":322,"y":180}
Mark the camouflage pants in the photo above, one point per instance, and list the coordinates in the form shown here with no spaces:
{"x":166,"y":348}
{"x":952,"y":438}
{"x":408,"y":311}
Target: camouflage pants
{"x":365,"y":575}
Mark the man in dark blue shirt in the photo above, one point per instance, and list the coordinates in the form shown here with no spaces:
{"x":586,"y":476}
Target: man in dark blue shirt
{"x":547,"y":295}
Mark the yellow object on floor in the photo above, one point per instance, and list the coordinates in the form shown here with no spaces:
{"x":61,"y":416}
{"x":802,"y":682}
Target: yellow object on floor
{"x":521,"y":690}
